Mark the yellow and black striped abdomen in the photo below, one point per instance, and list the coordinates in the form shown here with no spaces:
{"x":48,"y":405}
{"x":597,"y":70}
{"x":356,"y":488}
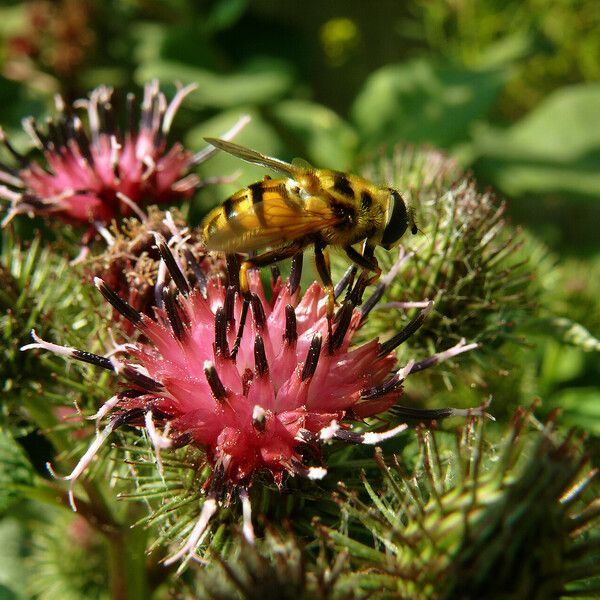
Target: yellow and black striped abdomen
{"x":268,"y":213}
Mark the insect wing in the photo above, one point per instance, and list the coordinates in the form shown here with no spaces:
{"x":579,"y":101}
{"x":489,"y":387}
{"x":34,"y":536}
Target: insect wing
{"x":275,"y":221}
{"x":254,"y":157}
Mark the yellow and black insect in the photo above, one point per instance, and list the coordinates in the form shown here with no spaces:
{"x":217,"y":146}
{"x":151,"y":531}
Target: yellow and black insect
{"x":311,"y":207}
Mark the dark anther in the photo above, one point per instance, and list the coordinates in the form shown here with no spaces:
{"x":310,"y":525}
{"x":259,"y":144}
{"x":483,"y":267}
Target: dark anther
{"x":130,"y":112}
{"x":403,"y":335}
{"x":312,"y":358}
{"x":157,"y":413}
{"x":275,"y":274}
{"x":229,"y":305}
{"x":391,"y":384}
{"x":201,"y":281}
{"x":343,"y":318}
{"x":104,"y":110}
{"x":83,"y":142}
{"x":54,"y":141}
{"x":221,"y":344}
{"x":259,"y":418}
{"x":94,"y":359}
{"x":109,"y":117}
{"x":346,"y":435}
{"x":422,"y":414}
{"x":132,"y":315}
{"x":233,"y":270}
{"x":127,"y":417}
{"x":159,"y":135}
{"x":346,"y":280}
{"x":258,"y":311}
{"x":130,"y":394}
{"x":173,"y":314}
{"x":61,"y":133}
{"x":425,"y":364}
{"x":260,"y":357}
{"x":176,"y":273}
{"x":216,"y":385}
{"x":355,"y":294}
{"x":291,"y":332}
{"x":372,"y":301}
{"x":247,"y":378}
{"x":146,"y":383}
{"x":296,"y":272}
{"x":217,"y":482}
{"x":183,"y":440}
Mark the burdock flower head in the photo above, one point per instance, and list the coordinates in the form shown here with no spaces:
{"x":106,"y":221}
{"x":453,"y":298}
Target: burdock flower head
{"x":267,"y":409}
{"x":99,"y":172}
{"x":512,"y":518}
{"x":131,"y":264}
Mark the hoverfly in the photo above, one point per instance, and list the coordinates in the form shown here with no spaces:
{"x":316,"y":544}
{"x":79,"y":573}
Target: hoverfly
{"x":311,"y":207}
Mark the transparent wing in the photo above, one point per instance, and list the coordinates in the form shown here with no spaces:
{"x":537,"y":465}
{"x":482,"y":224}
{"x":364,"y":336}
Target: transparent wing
{"x":271,"y":223}
{"x":255,"y":157}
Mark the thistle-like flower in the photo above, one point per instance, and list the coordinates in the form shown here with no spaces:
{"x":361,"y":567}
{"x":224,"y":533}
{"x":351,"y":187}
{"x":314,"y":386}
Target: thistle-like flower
{"x":270,"y":408}
{"x":96,"y":174}
{"x":131,"y":265}
{"x":517,"y":522}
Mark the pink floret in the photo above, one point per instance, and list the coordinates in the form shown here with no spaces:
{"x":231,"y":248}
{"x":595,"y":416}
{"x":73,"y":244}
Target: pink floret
{"x":227,"y":427}
{"x":98,"y":172}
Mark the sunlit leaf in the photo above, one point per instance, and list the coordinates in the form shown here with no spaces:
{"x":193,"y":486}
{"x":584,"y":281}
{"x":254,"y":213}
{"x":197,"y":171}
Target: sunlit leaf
{"x":556,"y":148}
{"x":260,"y":81}
{"x":327,"y":139}
{"x":421,"y":102}
{"x":580,"y":407}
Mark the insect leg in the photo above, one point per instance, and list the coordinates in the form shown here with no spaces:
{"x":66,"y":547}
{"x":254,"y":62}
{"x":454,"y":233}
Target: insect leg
{"x":368,"y":262}
{"x":260,"y":260}
{"x":324,"y":270}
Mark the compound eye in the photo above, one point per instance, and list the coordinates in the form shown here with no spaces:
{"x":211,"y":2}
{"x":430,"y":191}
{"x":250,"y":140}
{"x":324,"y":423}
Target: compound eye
{"x":397,"y":221}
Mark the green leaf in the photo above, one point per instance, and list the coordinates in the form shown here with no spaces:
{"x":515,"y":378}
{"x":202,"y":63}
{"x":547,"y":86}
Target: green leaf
{"x":421,"y":102}
{"x":15,"y":469}
{"x":556,"y":148}
{"x":13,"y":19}
{"x":579,"y":407}
{"x":328,"y":141}
{"x":224,"y":14}
{"x":260,"y":81}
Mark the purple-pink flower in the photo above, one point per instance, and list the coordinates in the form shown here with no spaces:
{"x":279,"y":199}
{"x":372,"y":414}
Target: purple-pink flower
{"x":271,"y":408}
{"x":101,"y":172}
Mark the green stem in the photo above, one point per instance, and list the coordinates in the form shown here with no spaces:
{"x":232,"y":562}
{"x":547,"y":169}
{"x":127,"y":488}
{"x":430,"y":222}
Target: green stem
{"x":127,"y":568}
